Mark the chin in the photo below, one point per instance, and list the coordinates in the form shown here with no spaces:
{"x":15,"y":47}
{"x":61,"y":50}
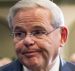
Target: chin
{"x":33,"y":64}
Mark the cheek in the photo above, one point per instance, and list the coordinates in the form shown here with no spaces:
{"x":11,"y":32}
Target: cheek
{"x":55,"y":38}
{"x":48,"y":45}
{"x":18,"y":45}
{"x":45,"y":46}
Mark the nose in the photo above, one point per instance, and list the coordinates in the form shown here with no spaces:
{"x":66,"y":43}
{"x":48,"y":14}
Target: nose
{"x":28,"y":41}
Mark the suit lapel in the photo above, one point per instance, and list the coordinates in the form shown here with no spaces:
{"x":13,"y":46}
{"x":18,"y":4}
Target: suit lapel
{"x":64,"y":66}
{"x":17,"y":66}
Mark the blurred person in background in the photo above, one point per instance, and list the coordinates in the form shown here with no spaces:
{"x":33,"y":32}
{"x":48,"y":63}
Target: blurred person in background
{"x":72,"y":58}
{"x":39,"y":33}
{"x":5,"y":61}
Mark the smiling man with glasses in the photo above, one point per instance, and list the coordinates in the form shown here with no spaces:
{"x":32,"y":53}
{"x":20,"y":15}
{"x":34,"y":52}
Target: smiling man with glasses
{"x":38,"y":32}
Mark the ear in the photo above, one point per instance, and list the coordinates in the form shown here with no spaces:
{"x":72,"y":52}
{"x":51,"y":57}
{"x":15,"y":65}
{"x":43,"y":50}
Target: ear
{"x":64,"y":35}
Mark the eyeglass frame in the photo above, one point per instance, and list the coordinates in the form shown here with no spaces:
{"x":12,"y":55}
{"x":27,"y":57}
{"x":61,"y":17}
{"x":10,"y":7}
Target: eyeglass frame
{"x":30,"y":34}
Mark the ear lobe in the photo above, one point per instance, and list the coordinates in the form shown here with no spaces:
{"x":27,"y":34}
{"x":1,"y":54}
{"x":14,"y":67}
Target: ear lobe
{"x":64,"y":35}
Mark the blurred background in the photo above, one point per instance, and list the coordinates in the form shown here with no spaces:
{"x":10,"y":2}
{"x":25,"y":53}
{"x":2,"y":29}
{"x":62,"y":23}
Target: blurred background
{"x":6,"y":44}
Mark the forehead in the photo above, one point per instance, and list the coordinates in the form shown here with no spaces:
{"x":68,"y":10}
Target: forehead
{"x":30,"y":16}
{"x":33,"y":12}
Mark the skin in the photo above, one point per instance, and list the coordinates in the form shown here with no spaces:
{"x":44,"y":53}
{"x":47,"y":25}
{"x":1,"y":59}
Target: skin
{"x":40,"y":52}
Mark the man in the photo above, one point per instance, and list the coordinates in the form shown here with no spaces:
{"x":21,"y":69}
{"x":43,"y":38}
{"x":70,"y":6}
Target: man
{"x":38,"y":33}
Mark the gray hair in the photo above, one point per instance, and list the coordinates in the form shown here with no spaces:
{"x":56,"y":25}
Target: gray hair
{"x":58,"y":18}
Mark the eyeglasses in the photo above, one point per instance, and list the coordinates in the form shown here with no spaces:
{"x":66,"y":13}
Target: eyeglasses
{"x":20,"y":35}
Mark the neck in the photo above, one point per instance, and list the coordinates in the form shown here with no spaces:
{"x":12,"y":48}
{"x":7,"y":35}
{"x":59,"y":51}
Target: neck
{"x":45,"y":68}
{"x":40,"y":69}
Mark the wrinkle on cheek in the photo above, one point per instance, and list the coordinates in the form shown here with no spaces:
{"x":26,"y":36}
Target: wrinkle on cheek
{"x":45,"y":47}
{"x":43,"y":44}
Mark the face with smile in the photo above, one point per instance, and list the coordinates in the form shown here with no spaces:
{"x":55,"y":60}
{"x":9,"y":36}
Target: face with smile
{"x":33,"y":47}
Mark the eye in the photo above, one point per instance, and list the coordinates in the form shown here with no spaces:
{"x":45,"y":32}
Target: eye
{"x":19,"y":34}
{"x":38,"y":32}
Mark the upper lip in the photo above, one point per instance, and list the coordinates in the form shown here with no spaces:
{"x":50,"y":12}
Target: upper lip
{"x":30,"y":51}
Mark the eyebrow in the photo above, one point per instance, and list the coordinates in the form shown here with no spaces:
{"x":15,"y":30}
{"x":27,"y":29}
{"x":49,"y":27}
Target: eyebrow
{"x":39,"y":27}
{"x":19,"y":28}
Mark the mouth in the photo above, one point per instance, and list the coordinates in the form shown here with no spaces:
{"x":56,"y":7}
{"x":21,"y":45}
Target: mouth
{"x":31,"y":53}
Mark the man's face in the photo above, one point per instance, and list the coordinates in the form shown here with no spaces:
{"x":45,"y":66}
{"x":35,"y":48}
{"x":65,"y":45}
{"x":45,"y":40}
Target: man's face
{"x":34,"y":48}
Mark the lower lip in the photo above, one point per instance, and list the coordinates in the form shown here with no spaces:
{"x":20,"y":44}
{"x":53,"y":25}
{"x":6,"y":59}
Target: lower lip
{"x":32,"y":54}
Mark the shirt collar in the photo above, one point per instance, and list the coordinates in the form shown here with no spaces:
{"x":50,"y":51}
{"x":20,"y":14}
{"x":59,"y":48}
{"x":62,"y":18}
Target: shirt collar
{"x":56,"y":64}
{"x":25,"y":69}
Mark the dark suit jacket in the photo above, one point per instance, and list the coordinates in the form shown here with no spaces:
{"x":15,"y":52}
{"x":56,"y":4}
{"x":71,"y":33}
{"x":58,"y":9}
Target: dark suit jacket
{"x":17,"y":66}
